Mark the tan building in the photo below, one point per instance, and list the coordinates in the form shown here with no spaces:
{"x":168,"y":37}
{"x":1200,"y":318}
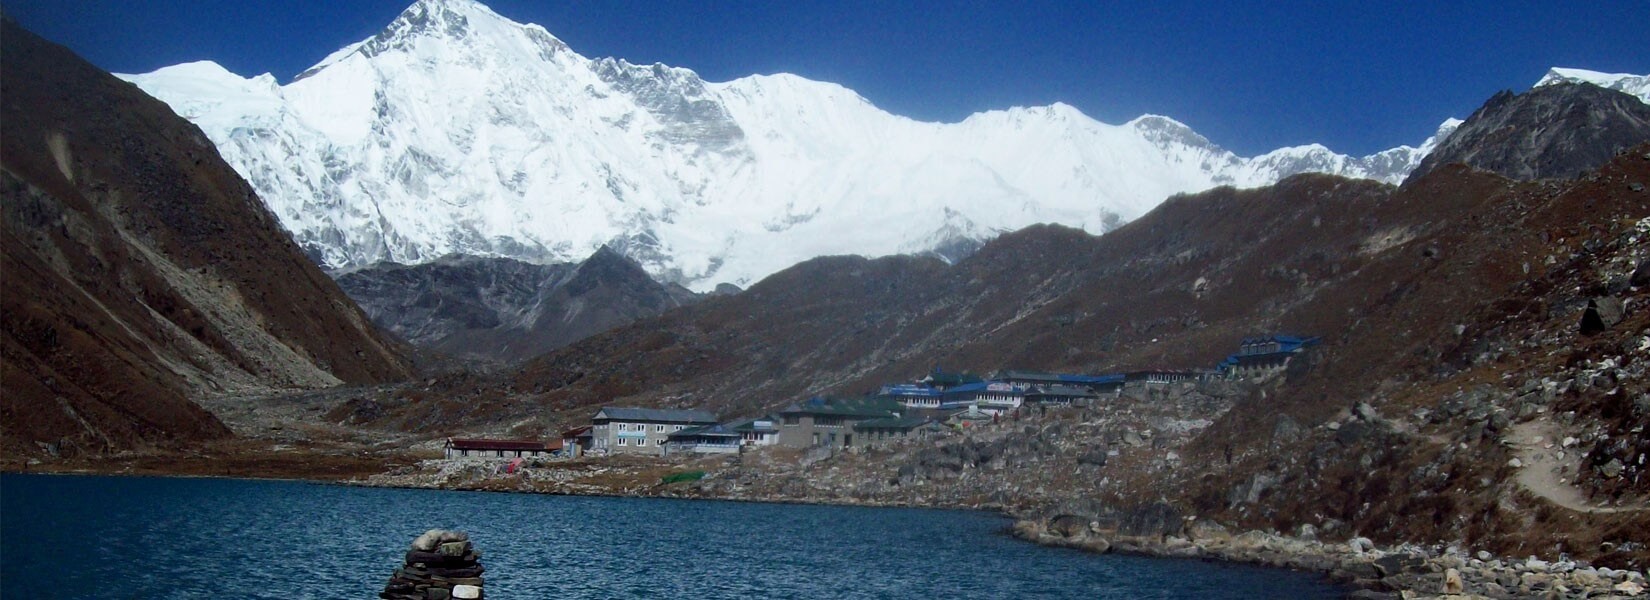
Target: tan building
{"x":622,"y":430}
{"x":820,"y":422}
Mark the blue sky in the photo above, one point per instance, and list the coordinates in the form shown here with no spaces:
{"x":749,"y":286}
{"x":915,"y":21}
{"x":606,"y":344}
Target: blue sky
{"x":1251,"y":76}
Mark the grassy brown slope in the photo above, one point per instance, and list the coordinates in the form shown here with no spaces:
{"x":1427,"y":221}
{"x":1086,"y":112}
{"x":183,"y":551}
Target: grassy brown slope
{"x":140,"y":269}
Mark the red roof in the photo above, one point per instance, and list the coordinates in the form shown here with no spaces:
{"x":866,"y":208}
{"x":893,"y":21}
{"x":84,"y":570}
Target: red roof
{"x":524,"y":445}
{"x":576,"y":432}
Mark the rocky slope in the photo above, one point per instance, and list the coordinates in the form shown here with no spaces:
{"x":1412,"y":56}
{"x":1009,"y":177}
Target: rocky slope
{"x":141,"y":271}
{"x":1557,"y":129}
{"x":457,"y":130}
{"x":504,"y":310}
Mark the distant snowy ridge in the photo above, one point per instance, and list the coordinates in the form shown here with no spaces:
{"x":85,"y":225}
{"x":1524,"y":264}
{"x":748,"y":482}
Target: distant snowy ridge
{"x":455,"y":130}
{"x":1636,"y":85}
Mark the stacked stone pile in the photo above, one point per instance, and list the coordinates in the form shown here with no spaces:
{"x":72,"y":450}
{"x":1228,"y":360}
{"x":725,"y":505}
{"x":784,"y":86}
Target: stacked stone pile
{"x":441,"y":565}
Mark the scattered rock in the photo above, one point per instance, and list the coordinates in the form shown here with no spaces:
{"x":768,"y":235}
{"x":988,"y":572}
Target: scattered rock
{"x":1612,"y":469}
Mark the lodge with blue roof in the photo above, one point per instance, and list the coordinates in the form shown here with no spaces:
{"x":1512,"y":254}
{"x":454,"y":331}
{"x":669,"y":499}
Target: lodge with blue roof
{"x":1260,"y":358}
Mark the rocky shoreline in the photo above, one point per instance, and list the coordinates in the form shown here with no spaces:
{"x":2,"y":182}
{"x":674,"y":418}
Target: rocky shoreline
{"x":1407,"y":572}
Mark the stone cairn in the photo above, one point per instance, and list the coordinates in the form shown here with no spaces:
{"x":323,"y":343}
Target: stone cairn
{"x":441,"y":565}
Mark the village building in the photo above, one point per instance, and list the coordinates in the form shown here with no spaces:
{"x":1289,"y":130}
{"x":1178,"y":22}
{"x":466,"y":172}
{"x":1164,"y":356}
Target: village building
{"x":1263,"y":357}
{"x":622,"y":430}
{"x":576,"y":441}
{"x":475,"y":448}
{"x":820,"y":422}
{"x":1106,"y":385}
{"x":970,"y":417}
{"x":757,"y":432}
{"x":1157,"y":379}
{"x":1026,"y":378}
{"x":993,"y":397}
{"x":912,"y":396}
{"x":877,"y":431}
{"x":941,"y":380}
{"x":1060,"y":395}
{"x":707,"y":439}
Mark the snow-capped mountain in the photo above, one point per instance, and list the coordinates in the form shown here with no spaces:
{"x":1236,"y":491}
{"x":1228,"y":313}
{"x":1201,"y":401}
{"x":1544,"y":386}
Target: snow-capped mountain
{"x":456,"y":130}
{"x":1636,"y":85}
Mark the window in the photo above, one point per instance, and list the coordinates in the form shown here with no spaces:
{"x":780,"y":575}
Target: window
{"x":662,"y":427}
{"x":678,"y":428}
{"x":641,"y":442}
{"x":621,"y":441}
{"x":790,"y":419}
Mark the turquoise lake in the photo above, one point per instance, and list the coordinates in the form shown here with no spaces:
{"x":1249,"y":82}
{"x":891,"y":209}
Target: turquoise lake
{"x":146,"y":537}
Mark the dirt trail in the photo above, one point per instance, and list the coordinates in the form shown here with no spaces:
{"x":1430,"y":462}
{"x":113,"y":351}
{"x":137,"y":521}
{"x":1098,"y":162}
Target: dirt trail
{"x":1539,"y":447}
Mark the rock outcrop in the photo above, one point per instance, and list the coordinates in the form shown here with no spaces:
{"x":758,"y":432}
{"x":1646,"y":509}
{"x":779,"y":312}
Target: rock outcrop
{"x":1561,"y":130}
{"x":500,"y":309}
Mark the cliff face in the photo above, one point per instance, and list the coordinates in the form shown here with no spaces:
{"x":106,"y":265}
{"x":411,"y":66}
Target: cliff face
{"x":141,"y":271}
{"x":500,"y":309}
{"x":1558,"y":130}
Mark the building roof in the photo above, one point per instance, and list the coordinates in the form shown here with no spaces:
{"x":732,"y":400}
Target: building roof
{"x":940,"y":377}
{"x":655,"y":415}
{"x":713,"y":430}
{"x":750,"y":425}
{"x":1092,"y":379}
{"x":576,"y":432}
{"x":908,"y":390}
{"x":858,"y":407}
{"x":901,"y":424}
{"x":983,"y":386}
{"x":1005,"y":375}
{"x":1061,"y":390}
{"x":506,"y":445}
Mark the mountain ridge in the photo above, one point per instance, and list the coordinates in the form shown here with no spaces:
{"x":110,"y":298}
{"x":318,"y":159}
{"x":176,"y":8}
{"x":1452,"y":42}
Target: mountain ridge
{"x":142,"y":274}
{"x":701,"y":182}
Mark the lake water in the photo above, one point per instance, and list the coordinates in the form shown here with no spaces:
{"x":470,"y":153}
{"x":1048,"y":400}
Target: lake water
{"x":138,"y":537}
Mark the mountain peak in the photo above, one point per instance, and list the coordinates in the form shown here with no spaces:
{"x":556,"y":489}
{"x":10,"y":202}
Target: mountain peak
{"x":1554,"y":130}
{"x":1636,"y":85}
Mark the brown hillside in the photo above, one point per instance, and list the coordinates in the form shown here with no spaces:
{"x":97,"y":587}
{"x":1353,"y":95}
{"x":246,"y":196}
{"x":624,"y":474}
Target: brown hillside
{"x":140,"y":270}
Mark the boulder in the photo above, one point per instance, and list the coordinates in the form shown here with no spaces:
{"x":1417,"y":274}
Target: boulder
{"x":1068,"y":526}
{"x":1602,"y":313}
{"x":1612,"y":469}
{"x":1093,"y":457}
{"x":1204,"y":531}
{"x":1453,"y":583}
{"x":1152,"y":520}
{"x":1398,"y":564}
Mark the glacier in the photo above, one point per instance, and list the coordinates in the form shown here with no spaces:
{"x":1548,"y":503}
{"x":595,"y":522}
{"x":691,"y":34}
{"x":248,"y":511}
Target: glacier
{"x":455,"y":130}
